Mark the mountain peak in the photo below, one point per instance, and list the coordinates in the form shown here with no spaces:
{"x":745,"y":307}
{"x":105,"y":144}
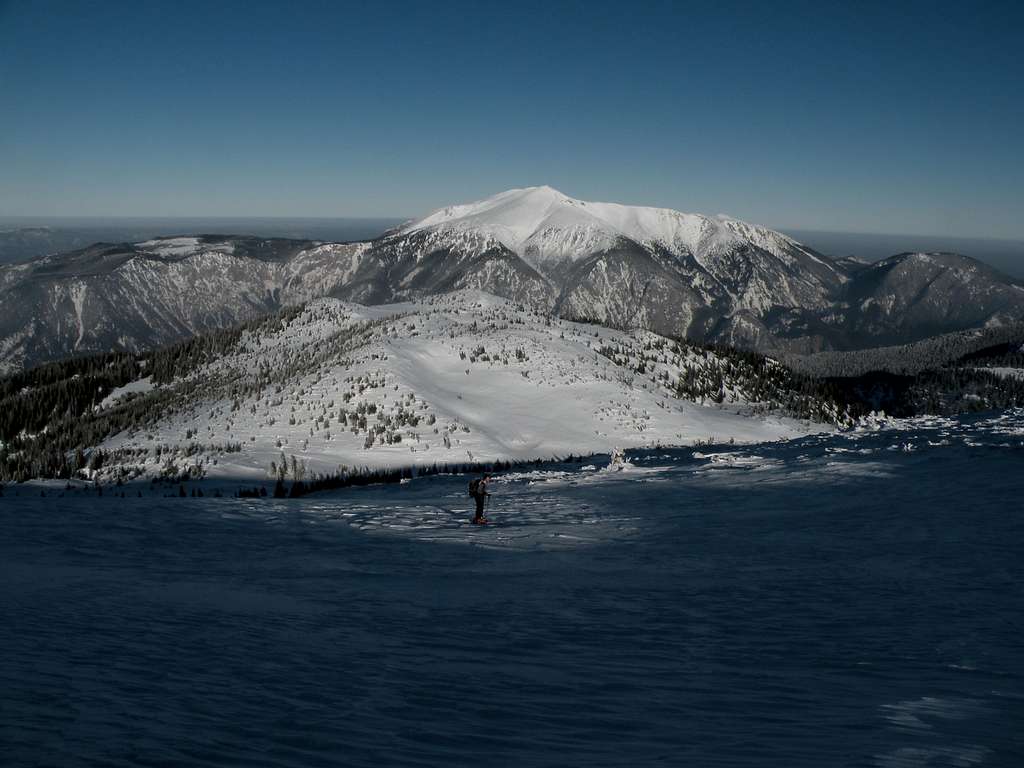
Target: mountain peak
{"x":545,"y":221}
{"x":543,"y":225}
{"x":513,"y":217}
{"x":543,"y":189}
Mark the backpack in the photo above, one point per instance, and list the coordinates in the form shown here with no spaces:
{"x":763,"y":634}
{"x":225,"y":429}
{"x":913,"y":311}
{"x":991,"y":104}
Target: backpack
{"x":474,"y":486}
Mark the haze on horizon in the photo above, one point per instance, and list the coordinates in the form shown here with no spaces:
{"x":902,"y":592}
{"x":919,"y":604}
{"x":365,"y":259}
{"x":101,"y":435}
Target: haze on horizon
{"x":802,"y":116}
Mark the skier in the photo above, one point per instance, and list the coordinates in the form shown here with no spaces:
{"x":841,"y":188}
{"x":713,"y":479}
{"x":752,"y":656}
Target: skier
{"x":478,"y":490}
{"x":618,"y":461}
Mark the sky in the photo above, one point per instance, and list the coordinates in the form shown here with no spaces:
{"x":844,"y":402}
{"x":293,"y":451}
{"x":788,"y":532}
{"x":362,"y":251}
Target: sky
{"x":856,"y":117}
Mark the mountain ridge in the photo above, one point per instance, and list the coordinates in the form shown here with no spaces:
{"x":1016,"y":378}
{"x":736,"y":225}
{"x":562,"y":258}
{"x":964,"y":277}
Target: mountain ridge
{"x":715,"y":279}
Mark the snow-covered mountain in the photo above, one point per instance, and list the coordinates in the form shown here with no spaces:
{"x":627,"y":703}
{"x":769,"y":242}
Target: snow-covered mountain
{"x":459,"y":378}
{"x":711,"y":278}
{"x":914,"y":295}
{"x":678,"y":274}
{"x":149,"y":294}
{"x":547,"y":228}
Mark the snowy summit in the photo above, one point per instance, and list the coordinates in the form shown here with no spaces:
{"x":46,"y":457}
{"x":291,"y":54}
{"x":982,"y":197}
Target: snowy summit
{"x":542,"y":224}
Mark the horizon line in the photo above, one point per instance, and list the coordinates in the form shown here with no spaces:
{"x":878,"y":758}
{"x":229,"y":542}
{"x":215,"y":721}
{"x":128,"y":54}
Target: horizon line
{"x":12,"y":218}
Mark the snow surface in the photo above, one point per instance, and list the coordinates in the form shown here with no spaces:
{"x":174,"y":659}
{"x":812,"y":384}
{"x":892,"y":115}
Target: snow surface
{"x":137,"y":387}
{"x":542,"y":223}
{"x":830,"y":601}
{"x":184,"y":246}
{"x":538,"y":389}
{"x":571,"y":506}
{"x":1013,"y":373}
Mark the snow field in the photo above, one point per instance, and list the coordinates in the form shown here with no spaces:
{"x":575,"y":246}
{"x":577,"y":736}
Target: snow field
{"x":569,"y":506}
{"x":460,"y":378}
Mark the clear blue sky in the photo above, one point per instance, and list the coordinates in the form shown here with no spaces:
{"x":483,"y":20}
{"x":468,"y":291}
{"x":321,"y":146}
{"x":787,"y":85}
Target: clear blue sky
{"x":889,"y":117}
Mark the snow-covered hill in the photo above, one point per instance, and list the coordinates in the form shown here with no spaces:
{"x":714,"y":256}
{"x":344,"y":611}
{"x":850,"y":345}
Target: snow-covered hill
{"x":910,"y":295}
{"x":460,"y":378}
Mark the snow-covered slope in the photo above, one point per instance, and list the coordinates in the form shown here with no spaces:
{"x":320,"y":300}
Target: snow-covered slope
{"x":459,"y":378}
{"x":142,"y":296}
{"x":656,"y":268}
{"x":714,"y":278}
{"x":899,"y":299}
{"x":544,"y":225}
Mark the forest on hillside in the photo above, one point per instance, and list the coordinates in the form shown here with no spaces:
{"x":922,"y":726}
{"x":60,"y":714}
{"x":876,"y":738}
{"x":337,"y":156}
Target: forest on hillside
{"x":909,"y":359}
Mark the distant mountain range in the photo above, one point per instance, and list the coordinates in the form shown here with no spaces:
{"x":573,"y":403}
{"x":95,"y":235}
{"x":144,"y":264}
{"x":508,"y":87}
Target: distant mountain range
{"x":678,"y":274}
{"x":24,"y":238}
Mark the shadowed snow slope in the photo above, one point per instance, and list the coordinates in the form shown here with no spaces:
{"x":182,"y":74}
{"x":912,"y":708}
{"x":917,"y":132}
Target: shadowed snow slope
{"x":849,"y":601}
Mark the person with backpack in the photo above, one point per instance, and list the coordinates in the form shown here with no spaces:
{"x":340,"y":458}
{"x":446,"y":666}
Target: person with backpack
{"x":478,"y":490}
